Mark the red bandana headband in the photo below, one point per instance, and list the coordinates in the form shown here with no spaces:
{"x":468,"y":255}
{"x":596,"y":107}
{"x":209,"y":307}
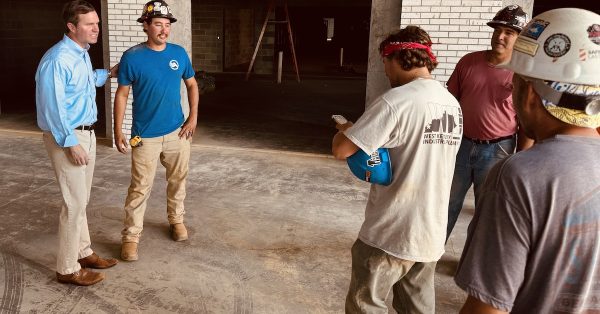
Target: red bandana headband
{"x":395,"y":46}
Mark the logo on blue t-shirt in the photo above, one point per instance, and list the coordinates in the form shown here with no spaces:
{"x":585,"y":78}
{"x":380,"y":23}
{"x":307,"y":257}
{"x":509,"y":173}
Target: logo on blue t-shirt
{"x":174,"y":65}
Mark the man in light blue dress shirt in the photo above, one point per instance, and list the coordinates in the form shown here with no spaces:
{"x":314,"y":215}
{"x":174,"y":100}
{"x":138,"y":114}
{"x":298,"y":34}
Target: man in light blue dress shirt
{"x":66,"y":112}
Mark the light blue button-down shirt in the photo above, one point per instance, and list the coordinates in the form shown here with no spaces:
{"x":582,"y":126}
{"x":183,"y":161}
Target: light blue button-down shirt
{"x":65,"y":91}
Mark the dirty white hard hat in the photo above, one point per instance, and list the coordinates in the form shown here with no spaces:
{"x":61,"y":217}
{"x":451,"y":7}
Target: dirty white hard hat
{"x":561,"y":45}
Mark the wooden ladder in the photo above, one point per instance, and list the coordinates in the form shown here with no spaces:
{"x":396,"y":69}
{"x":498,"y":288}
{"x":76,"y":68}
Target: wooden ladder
{"x":262,"y":33}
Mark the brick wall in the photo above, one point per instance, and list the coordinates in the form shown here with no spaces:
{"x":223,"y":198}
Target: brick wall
{"x":456,"y":27}
{"x":207,"y":35}
{"x":239,"y":37}
{"x":224,"y":34}
{"x":123,"y":33}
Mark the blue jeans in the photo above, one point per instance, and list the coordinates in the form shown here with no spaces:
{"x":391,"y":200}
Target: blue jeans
{"x":473,"y":162}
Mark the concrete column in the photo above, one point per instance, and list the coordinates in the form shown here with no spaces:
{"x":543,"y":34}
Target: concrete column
{"x":108,"y":101}
{"x":181,"y":34}
{"x":385,"y":18}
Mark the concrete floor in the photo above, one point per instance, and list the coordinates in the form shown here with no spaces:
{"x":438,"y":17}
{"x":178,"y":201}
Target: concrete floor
{"x":270,"y":232}
{"x":271,"y":217}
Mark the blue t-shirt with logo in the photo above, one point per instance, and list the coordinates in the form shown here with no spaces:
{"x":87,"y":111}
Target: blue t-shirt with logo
{"x":155,"y":77}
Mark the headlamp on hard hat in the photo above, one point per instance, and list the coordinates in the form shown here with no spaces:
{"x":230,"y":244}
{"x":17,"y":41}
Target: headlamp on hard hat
{"x":584,"y":98}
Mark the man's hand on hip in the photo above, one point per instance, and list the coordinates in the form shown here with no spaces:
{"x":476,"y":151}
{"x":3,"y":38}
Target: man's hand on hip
{"x":78,"y":155}
{"x":188,"y":128}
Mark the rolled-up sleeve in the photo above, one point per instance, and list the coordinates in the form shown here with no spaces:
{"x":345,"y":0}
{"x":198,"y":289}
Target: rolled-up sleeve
{"x":100,"y":77}
{"x":374,"y":128}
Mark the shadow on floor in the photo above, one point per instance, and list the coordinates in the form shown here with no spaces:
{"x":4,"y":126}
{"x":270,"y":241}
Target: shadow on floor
{"x":291,"y":116}
{"x":261,"y":114}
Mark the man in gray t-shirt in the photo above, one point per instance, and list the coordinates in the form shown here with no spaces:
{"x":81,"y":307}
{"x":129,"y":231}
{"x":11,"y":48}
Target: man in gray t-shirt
{"x":533,"y":245}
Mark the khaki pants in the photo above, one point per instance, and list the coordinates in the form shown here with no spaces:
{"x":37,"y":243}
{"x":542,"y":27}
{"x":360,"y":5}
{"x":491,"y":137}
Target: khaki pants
{"x":375,"y":273}
{"x":174,"y":155}
{"x":75,"y":185}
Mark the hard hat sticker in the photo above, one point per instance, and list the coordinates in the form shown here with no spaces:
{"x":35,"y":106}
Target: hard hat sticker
{"x":594,"y":33}
{"x":557,"y":45}
{"x":535,"y":29}
{"x":374,"y":159}
{"x":526,"y":46}
{"x":588,"y":54}
{"x":522,"y":20}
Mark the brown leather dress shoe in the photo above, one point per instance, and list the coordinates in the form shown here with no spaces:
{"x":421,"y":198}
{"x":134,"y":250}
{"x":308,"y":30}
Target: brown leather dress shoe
{"x":83,"y":277}
{"x":95,"y":261}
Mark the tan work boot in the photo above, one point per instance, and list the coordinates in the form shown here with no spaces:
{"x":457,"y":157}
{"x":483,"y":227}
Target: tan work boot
{"x":178,"y":232}
{"x":129,"y":251}
{"x":83,"y":277}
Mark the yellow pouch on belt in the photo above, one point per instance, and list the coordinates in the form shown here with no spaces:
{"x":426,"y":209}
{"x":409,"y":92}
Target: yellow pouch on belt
{"x":136,"y":141}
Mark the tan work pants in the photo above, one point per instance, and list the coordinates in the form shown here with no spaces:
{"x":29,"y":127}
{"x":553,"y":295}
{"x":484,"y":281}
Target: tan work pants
{"x":75,"y":185}
{"x":375,"y":273}
{"x":174,"y":155}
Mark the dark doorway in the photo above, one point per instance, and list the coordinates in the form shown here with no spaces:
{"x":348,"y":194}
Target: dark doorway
{"x":321,"y":32}
{"x":291,"y":116}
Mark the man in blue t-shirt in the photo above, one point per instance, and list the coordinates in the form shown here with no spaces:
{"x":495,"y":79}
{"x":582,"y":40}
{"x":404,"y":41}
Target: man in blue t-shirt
{"x":154,"y":70}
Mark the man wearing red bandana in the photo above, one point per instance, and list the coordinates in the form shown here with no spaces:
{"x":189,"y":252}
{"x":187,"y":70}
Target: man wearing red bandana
{"x":491,"y":126}
{"x":402,"y":237}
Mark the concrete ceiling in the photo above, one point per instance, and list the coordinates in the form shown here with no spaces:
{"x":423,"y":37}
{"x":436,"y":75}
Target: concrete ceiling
{"x":329,"y":3}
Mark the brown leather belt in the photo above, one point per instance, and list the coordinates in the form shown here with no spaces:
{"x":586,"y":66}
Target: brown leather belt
{"x":492,"y":141}
{"x":85,"y":127}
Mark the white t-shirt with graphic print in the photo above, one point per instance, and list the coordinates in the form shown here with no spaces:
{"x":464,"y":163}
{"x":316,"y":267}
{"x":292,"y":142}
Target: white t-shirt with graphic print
{"x":421,"y":124}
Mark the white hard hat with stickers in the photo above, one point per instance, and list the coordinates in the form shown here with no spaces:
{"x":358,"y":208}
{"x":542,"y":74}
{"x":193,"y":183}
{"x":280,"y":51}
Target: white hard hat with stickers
{"x":559,"y":52}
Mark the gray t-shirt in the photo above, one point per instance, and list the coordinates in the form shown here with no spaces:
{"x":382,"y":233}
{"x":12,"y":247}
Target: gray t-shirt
{"x":534,"y":243}
{"x":421,"y":124}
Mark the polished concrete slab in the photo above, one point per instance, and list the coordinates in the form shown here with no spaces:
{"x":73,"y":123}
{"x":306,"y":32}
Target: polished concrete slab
{"x":270,"y":232}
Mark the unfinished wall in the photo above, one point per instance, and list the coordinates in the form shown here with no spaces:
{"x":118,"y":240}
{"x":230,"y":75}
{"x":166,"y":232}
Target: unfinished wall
{"x":29,"y":29}
{"x":239,"y":38}
{"x":202,"y":37}
{"x":456,"y":27}
{"x":124,"y":32}
{"x":207,"y":35}
{"x":224,"y":35}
